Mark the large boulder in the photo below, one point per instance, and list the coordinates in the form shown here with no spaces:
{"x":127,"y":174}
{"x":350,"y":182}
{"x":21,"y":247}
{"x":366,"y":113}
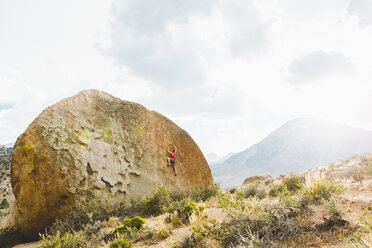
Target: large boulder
{"x":94,"y":142}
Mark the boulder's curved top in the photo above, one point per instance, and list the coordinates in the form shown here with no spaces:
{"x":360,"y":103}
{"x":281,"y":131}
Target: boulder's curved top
{"x":96,"y":142}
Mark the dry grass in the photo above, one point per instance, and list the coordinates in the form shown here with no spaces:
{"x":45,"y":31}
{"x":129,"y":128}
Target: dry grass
{"x":316,"y":186}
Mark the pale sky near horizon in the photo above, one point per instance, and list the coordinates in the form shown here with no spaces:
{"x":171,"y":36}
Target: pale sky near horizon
{"x":227,"y":71}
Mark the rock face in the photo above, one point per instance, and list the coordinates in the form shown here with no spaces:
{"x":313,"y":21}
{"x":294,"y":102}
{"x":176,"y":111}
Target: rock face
{"x":94,"y":142}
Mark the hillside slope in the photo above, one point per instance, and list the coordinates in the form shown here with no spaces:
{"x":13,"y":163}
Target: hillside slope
{"x":296,"y":146}
{"x":215,"y":159}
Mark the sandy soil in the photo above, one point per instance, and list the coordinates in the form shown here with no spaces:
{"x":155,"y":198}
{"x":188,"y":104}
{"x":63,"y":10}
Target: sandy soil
{"x":28,"y":245}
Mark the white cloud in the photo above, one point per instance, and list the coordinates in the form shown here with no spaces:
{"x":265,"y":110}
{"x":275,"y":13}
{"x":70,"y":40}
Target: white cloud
{"x":173,"y":43}
{"x":319,"y":65}
{"x":362,"y":9}
{"x":219,"y":69}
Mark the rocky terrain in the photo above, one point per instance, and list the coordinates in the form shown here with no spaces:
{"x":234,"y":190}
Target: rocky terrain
{"x":296,"y":146}
{"x":5,"y":186}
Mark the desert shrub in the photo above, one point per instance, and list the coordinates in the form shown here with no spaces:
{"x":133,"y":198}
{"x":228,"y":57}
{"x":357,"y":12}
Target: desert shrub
{"x":268,"y":181}
{"x":363,"y":236}
{"x":358,"y":175}
{"x":198,"y":194}
{"x":68,"y":240}
{"x":237,"y":205}
{"x":90,"y":216}
{"x":279,"y":226}
{"x":99,"y":207}
{"x":176,"y":220}
{"x":130,"y":225}
{"x":4,"y":204}
{"x":285,"y":196}
{"x":157,"y":201}
{"x":252,"y":191}
{"x":137,"y":222}
{"x":92,"y":228}
{"x":178,"y":205}
{"x":121,"y":243}
{"x":183,"y":210}
{"x":191,"y":208}
{"x":331,"y":206}
{"x":232,"y":190}
{"x":112,"y":222}
{"x":293,"y":182}
{"x":261,"y":231}
{"x":163,"y":232}
{"x":204,"y":193}
{"x":317,"y":186}
{"x":192,"y":241}
{"x":276,"y":190}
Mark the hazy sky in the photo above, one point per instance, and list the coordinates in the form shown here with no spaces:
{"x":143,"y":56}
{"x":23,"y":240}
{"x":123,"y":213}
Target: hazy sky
{"x":227,"y":71}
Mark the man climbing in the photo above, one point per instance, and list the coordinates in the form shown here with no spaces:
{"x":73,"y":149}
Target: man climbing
{"x":172,"y":159}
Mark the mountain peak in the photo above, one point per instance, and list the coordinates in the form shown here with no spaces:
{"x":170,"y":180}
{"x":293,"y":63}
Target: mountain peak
{"x":296,"y":146}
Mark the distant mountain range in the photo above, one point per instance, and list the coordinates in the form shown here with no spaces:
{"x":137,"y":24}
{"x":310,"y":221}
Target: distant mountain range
{"x":296,"y":146}
{"x":9,"y":145}
{"x":215,"y":159}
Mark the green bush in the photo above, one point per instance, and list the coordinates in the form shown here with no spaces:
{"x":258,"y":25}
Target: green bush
{"x":121,"y":243}
{"x":331,"y":206}
{"x":198,"y":194}
{"x":293,"y":182}
{"x":251,"y":191}
{"x":68,"y":240}
{"x":254,"y":191}
{"x":285,"y":196}
{"x":178,"y":205}
{"x":276,"y":190}
{"x":137,"y":222}
{"x":184,"y":209}
{"x":4,"y":204}
{"x":189,"y":209}
{"x":204,"y":193}
{"x":157,"y":202}
{"x":130,"y":225}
